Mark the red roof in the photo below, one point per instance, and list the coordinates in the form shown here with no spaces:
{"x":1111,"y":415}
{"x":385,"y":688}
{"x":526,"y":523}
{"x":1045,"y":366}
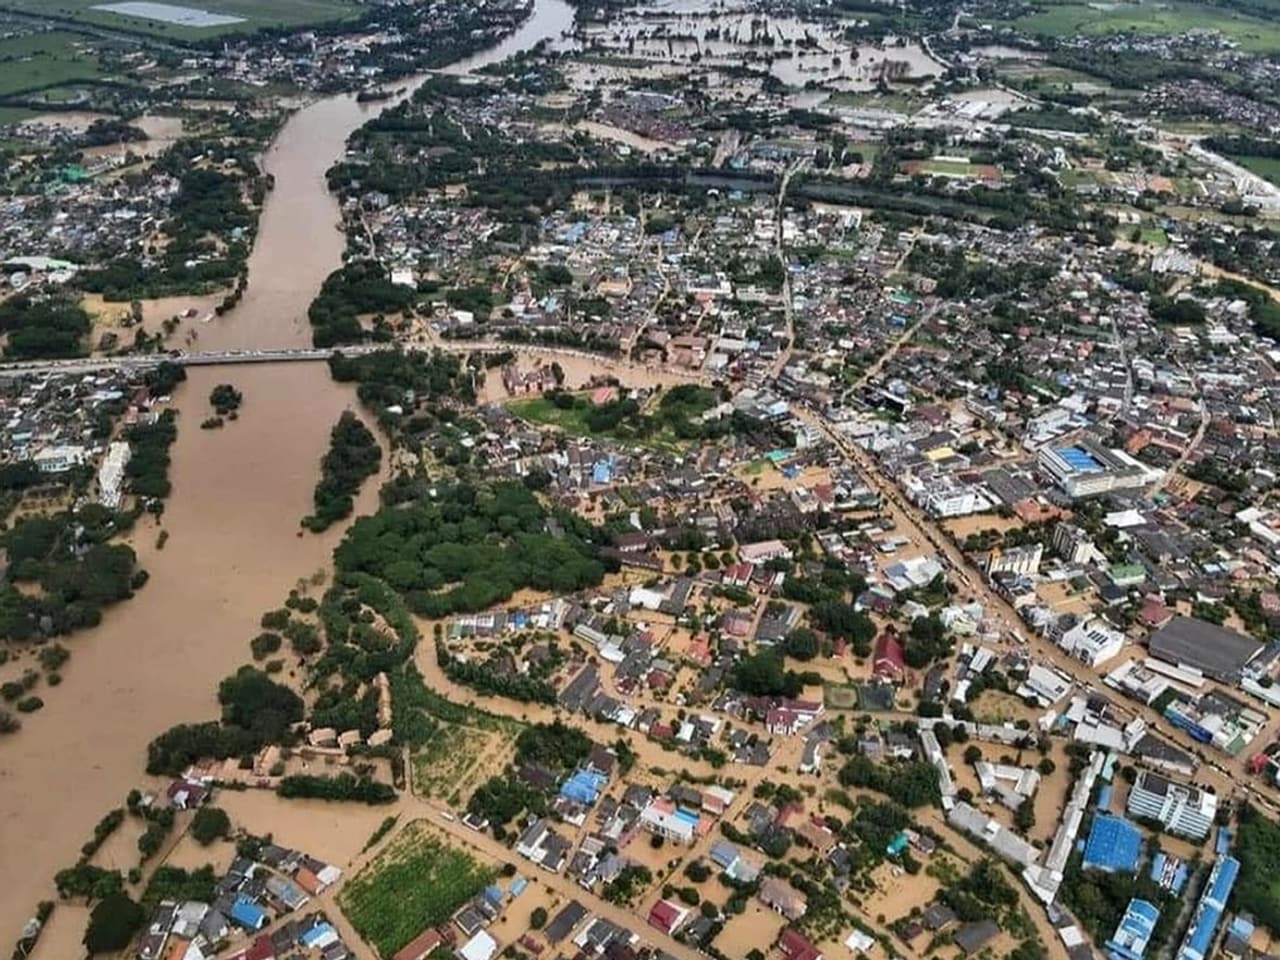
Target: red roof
{"x":420,"y":946}
{"x":888,"y":657}
{"x":665,"y":916}
{"x":261,"y":949}
{"x":795,"y":947}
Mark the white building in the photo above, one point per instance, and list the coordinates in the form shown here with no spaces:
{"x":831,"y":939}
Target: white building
{"x":1087,"y":469}
{"x":111,"y":474}
{"x":1092,"y":642}
{"x":1023,"y":561}
{"x":59,"y":459}
{"x":1181,"y":809}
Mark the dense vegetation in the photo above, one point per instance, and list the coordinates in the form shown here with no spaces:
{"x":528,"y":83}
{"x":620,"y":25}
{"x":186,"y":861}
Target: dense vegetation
{"x":225,"y":399}
{"x":354,"y":456}
{"x":210,"y":227}
{"x":78,"y":571}
{"x":1258,"y":849}
{"x":470,"y":547}
{"x":387,"y":378}
{"x":343,"y":787}
{"x":148,"y":467}
{"x":255,"y":711}
{"x":43,"y":327}
{"x":913,"y":784}
{"x":764,"y":674}
{"x":112,"y":924}
{"x":359,"y":287}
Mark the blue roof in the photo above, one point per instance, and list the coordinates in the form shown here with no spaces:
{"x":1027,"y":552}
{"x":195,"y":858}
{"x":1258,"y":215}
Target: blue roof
{"x":1224,"y":840}
{"x":1079,"y":459}
{"x":583,"y":786}
{"x":1195,"y":946}
{"x":517,"y":886}
{"x":1134,"y":931}
{"x":688,"y":816}
{"x":897,"y":845}
{"x":1114,"y":844}
{"x":493,"y":893}
{"x":316,"y":934}
{"x":248,"y":914}
{"x":723,"y":853}
{"x":1104,"y":798}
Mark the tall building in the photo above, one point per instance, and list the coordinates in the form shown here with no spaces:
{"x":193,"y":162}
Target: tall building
{"x":1180,"y":809}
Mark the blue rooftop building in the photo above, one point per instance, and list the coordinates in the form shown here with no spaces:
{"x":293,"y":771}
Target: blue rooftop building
{"x":1199,"y":938}
{"x":1114,"y":844}
{"x":248,"y":914}
{"x":583,"y":787}
{"x":1130,"y":940}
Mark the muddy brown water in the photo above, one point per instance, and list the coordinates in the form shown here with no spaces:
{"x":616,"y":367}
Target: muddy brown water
{"x":233,"y":549}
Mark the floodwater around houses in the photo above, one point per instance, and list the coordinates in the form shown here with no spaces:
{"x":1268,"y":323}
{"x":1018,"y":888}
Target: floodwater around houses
{"x":233,"y":550}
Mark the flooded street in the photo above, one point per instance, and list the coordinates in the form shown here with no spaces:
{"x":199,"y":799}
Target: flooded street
{"x":233,"y":520}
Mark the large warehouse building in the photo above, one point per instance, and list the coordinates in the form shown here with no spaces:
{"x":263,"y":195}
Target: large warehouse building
{"x":1212,"y":650}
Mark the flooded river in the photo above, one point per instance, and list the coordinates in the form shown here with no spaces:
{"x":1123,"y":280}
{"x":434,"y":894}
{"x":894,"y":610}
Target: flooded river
{"x":233,"y":549}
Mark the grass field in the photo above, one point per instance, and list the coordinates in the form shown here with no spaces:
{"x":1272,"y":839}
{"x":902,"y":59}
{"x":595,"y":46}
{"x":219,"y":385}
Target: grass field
{"x":1266,"y":167}
{"x":417,"y":882}
{"x":255,"y":14}
{"x":44,"y":60}
{"x":449,"y":763}
{"x":1071,"y":19}
{"x":542,"y":411}
{"x":1154,"y":236}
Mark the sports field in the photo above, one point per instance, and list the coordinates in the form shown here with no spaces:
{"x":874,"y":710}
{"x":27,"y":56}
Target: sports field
{"x":1072,"y":19}
{"x":229,"y":16}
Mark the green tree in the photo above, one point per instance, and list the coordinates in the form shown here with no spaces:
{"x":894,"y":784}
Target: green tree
{"x":112,"y":924}
{"x":210,"y":824}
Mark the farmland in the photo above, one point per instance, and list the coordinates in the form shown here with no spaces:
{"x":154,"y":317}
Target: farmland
{"x":254,"y":14}
{"x":449,"y":764}
{"x":37,"y":61}
{"x":417,"y":882}
{"x":1068,"y":19}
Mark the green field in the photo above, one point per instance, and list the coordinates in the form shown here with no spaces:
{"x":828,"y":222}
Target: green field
{"x":255,"y":14}
{"x":446,"y":765}
{"x":1072,"y":19}
{"x":543,"y":412}
{"x":45,"y":60}
{"x":417,"y":882}
{"x":950,"y":168}
{"x":1266,"y":167}
{"x":1154,"y":236}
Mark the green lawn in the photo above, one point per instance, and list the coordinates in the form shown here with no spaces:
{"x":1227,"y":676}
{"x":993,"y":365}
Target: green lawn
{"x":542,"y":411}
{"x":1154,"y":236}
{"x":417,"y":882}
{"x":1072,"y":19}
{"x":255,"y":14}
{"x":44,"y":60}
{"x":1266,"y":167}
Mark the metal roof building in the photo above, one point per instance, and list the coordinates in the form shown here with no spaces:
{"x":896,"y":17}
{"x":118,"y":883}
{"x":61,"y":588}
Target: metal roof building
{"x":1199,"y":938}
{"x":1134,"y":931}
{"x":1114,"y":844}
{"x":1215,"y":651}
